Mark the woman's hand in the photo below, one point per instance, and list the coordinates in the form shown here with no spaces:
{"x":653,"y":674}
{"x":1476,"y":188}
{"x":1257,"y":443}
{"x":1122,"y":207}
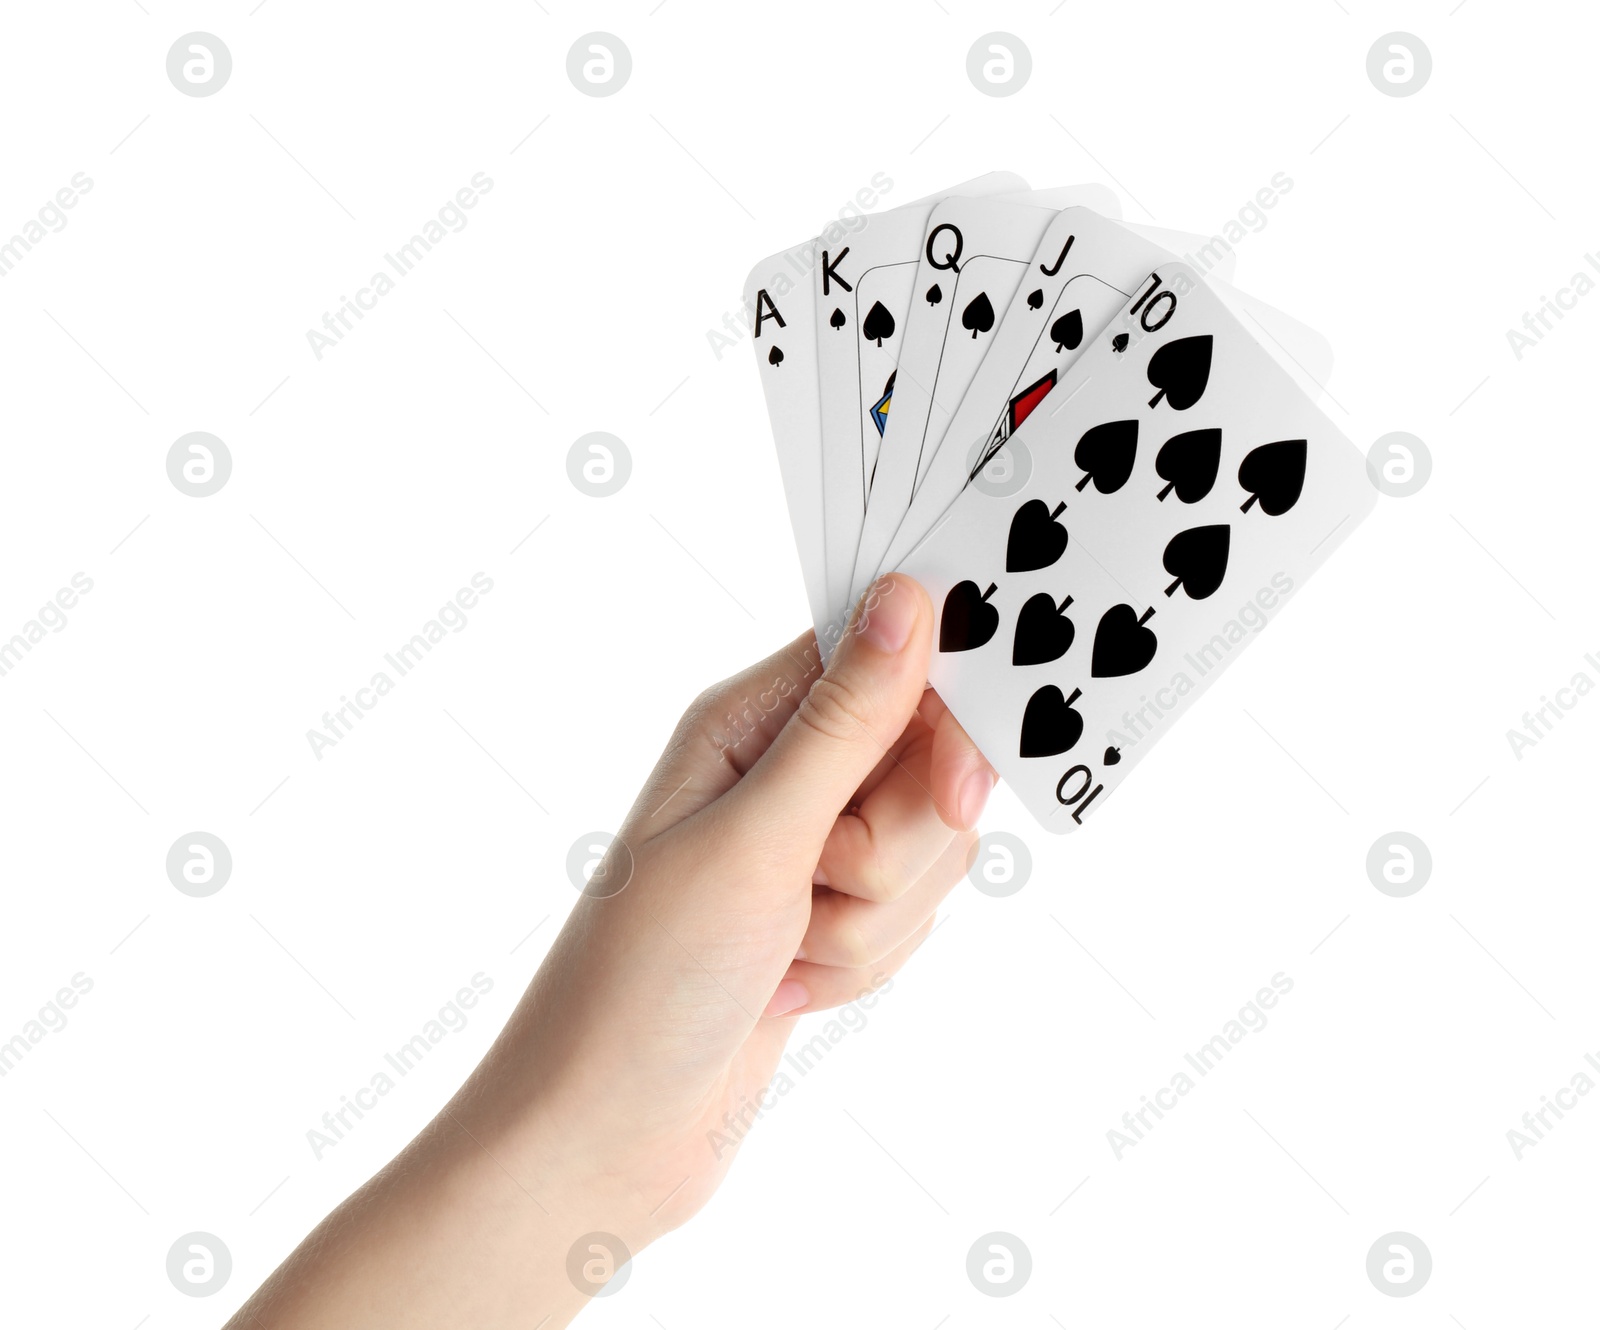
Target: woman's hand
{"x":786,"y":855}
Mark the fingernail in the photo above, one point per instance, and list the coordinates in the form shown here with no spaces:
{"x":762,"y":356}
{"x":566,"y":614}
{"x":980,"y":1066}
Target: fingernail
{"x":888,"y":614}
{"x":790,"y":995}
{"x":975,"y":795}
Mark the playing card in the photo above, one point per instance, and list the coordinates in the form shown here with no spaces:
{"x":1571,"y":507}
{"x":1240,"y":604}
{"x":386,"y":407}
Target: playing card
{"x":783,"y":310}
{"x":1148,"y":528}
{"x":1183,"y":245}
{"x":1085,"y":269}
{"x":840,"y":386}
{"x":1303,"y":352}
{"x":863,"y":292}
{"x":960,"y":372}
{"x":972,"y":259}
{"x":780,"y":301}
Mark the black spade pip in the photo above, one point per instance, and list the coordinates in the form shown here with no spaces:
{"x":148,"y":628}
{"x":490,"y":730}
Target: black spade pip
{"x":1180,"y":370}
{"x":1122,"y":643}
{"x":878,"y":324}
{"x":1197,"y":558}
{"x":1274,"y":473}
{"x":1067,"y":331}
{"x":1043,"y":631}
{"x":1036,"y":540}
{"x":1188,"y":463}
{"x":1049,"y":723}
{"x":1106,"y":452}
{"x":978,"y":316}
{"x":968,"y":620}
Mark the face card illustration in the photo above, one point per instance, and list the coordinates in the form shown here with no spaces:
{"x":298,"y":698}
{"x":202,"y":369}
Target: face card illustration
{"x":778,"y":295}
{"x":1083,"y":271}
{"x":861,"y":285}
{"x":1149,"y":530}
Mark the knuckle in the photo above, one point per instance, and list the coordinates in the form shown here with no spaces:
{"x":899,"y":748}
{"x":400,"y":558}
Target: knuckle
{"x":852,"y":948}
{"x":885,"y":882}
{"x":719,"y":719}
{"x":698,"y":714}
{"x":869,"y":874}
{"x":834,"y":709}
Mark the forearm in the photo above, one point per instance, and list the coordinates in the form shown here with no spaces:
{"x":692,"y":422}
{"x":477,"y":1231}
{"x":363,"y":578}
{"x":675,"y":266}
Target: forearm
{"x":661,"y":1011}
{"x":452,"y":1232}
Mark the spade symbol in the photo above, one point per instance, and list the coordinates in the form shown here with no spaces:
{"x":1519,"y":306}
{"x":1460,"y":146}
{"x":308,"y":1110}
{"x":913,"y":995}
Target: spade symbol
{"x":1067,"y":331}
{"x":1180,"y":370}
{"x":1112,"y":756}
{"x":1274,"y":473}
{"x":1106,"y":454}
{"x":1122,"y":643}
{"x":1188,"y":463}
{"x":968,"y":620}
{"x":1043,"y":631}
{"x":837,"y":321}
{"x":1198,"y":558}
{"x":1036,"y":298}
{"x":978,"y":316}
{"x":935,"y":295}
{"x":1049,"y":724}
{"x":1119,"y":343}
{"x":878,"y":324}
{"x":775,"y":356}
{"x":1037,"y":540}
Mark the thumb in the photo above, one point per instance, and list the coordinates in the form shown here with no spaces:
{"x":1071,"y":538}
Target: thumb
{"x":850,"y":717}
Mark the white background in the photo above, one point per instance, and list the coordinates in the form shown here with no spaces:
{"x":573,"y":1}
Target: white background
{"x":368,"y":486}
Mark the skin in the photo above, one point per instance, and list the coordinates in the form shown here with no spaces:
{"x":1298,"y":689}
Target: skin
{"x":779,"y":866}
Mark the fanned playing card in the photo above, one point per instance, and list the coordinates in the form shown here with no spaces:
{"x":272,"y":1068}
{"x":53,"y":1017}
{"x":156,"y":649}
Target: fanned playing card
{"x":974,"y":276}
{"x":864,"y":293}
{"x":1076,"y":271}
{"x":861,"y":287}
{"x":973,"y":257}
{"x":780,"y":303}
{"x":1144,"y":530}
{"x":783,"y":311}
{"x":1085,"y":270}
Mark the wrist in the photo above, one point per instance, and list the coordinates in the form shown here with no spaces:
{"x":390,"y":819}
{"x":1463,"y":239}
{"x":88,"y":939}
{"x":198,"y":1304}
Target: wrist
{"x":572,"y":1166}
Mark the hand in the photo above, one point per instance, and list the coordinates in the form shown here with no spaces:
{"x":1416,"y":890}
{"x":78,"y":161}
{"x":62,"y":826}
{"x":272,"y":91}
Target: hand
{"x":736,"y":897}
